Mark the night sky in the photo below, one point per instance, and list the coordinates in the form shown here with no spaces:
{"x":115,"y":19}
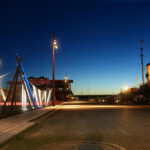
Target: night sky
{"x":99,"y":41}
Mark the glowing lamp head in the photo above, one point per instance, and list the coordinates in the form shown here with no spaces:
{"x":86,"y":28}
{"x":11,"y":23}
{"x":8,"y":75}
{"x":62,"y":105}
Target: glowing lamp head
{"x":55,"y":42}
{"x":56,"y":46}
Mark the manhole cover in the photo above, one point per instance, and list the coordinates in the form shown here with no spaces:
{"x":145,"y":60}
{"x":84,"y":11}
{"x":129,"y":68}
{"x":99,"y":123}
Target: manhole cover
{"x":82,"y":146}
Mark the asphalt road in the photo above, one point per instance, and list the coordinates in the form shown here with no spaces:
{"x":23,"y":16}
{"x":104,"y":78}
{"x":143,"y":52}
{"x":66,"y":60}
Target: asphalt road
{"x":127,"y":126}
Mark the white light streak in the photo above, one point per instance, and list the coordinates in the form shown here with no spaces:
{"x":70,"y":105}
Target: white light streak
{"x":48,"y":98}
{"x":45,"y":94}
{"x":4,"y":75}
{"x":24,"y":99}
{"x":39,"y":94}
{"x":35,"y":94}
{"x":28,"y":93}
{"x":43,"y":97}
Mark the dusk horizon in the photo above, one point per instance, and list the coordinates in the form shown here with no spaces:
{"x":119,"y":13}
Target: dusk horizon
{"x":98,"y":42}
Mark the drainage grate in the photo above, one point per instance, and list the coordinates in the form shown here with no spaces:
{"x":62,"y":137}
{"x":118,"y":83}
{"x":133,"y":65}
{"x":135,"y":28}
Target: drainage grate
{"x":82,"y":146}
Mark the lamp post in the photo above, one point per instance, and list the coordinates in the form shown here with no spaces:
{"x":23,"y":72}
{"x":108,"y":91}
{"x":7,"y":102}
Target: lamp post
{"x":54,"y":46}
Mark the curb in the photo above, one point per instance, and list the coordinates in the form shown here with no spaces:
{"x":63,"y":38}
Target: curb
{"x":52,"y":111}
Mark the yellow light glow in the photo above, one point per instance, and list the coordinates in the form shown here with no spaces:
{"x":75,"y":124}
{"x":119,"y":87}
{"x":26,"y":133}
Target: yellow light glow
{"x":95,"y":106}
{"x":126,"y":88}
{"x":66,"y":78}
{"x":3,"y":95}
{"x":55,"y":42}
{"x":117,"y":101}
{"x":86,"y":107}
{"x":56,"y":46}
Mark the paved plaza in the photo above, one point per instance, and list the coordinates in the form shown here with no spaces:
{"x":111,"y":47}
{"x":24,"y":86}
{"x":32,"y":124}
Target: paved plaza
{"x":126,"y":126}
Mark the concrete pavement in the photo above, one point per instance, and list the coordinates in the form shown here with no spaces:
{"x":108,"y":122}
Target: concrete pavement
{"x":126,"y":126}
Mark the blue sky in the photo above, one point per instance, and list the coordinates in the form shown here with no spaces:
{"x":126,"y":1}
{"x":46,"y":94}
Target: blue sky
{"x":99,"y":41}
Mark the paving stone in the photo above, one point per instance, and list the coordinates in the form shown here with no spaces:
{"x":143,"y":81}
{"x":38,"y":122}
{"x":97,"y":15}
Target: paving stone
{"x":11,"y":126}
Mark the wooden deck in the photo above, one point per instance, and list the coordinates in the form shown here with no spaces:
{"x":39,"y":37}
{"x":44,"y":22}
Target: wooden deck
{"x":11,"y":126}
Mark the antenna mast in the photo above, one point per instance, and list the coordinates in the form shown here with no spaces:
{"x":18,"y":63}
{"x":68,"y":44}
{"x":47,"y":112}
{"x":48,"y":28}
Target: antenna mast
{"x":142,"y":60}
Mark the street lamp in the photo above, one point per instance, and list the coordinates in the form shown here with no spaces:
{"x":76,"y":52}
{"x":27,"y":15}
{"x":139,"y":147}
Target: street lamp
{"x":54,"y":46}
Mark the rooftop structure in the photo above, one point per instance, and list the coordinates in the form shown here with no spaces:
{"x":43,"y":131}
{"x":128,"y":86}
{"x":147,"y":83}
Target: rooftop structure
{"x":62,"y":87}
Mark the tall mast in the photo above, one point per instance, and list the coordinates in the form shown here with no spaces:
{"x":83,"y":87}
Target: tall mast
{"x":142,"y":60}
{"x":137,"y":82}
